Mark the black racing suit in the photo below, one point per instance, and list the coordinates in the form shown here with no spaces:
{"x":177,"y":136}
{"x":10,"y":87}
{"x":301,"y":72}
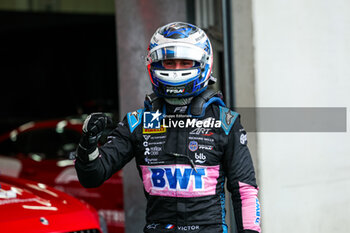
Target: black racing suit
{"x":183,"y":169}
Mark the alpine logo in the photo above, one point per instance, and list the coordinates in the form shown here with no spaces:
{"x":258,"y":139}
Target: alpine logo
{"x":152,"y":226}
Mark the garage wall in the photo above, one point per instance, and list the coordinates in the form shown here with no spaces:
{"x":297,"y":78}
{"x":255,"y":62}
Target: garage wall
{"x":137,"y":20}
{"x":302,"y":54}
{"x":62,"y":6}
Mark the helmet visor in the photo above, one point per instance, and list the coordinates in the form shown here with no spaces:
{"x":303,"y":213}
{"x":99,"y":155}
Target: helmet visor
{"x":177,"y":51}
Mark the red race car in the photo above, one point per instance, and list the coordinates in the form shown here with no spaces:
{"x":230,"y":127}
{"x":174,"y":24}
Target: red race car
{"x":31,"y":207}
{"x":39,"y":151}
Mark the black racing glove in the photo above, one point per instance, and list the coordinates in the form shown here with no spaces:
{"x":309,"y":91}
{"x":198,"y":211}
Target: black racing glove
{"x":93,"y":127}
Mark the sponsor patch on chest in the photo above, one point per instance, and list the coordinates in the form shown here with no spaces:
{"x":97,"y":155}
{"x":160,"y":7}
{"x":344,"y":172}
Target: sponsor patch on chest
{"x":180,"y":180}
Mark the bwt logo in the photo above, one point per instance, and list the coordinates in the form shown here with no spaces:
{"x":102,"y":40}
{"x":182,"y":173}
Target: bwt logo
{"x":257,"y":211}
{"x":151,"y":120}
{"x":177,"y":178}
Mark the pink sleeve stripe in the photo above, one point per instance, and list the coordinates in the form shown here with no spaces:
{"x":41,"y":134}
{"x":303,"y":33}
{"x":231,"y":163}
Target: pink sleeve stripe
{"x":250,"y":207}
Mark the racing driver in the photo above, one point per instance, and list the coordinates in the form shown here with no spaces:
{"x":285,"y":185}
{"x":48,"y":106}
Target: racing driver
{"x":183,"y":162}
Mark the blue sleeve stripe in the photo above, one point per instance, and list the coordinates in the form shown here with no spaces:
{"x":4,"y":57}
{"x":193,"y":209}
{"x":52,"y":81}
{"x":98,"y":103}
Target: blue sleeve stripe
{"x":223,"y":211}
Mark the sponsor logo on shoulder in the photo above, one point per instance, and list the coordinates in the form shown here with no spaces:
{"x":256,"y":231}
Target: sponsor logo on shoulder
{"x":243,"y":139}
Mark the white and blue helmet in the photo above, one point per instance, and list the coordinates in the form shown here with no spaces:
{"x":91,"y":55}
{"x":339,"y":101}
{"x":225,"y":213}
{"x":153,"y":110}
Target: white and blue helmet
{"x":179,"y":41}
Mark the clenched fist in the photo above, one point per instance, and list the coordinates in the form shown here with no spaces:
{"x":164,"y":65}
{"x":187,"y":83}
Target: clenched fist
{"x":93,"y":127}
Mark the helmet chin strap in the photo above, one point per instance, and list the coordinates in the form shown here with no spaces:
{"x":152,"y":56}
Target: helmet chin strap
{"x":179,"y":101}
